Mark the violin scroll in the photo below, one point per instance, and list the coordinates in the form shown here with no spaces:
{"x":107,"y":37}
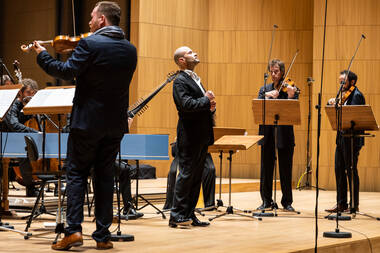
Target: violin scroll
{"x":62,"y":44}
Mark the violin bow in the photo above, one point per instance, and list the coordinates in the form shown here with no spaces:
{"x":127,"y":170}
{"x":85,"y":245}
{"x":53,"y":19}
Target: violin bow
{"x":291,"y":64}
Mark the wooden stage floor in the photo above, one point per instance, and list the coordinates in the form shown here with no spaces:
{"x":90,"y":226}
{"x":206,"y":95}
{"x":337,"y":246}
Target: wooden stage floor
{"x":286,"y":233}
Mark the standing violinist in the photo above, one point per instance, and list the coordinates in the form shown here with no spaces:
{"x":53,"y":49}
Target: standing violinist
{"x":103,"y":65}
{"x":351,"y":96}
{"x":285,"y":143}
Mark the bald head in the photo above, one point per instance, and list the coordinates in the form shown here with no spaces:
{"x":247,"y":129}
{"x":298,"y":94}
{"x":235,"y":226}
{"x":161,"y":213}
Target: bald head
{"x":180,"y":52}
{"x":185,"y":58}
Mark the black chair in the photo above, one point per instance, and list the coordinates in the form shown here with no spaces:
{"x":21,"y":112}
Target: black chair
{"x":45,"y":176}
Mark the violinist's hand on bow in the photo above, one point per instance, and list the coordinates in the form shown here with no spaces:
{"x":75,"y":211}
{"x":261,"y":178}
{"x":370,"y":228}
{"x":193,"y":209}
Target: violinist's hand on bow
{"x":332,"y":101}
{"x":291,"y":91}
{"x":37,"y":47}
{"x":272,"y":94}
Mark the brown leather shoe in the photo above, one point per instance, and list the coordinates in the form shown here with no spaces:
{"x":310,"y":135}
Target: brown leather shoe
{"x":336,"y":208}
{"x":73,"y":240}
{"x":104,"y":245}
{"x":351,"y":210}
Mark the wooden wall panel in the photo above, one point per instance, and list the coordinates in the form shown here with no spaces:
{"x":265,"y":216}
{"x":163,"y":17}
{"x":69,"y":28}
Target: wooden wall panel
{"x":22,"y":23}
{"x":346,"y":21}
{"x":159,"y":27}
{"x":232,"y":39}
{"x":239,"y":40}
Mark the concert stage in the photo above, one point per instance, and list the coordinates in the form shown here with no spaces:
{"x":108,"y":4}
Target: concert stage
{"x":286,"y":233}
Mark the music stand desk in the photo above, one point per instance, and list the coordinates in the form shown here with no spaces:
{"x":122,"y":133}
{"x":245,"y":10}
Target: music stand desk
{"x":230,"y":144}
{"x":361,"y":115}
{"x":354,"y":118}
{"x":8,"y":94}
{"x":218,"y":133}
{"x":287,"y":111}
{"x":277,"y":112}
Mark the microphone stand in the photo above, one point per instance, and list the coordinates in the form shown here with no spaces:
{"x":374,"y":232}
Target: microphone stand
{"x":263,"y":213}
{"x":319,"y":107}
{"x":119,"y":237}
{"x":2,"y":67}
{"x":308,"y":171}
{"x":339,"y":132}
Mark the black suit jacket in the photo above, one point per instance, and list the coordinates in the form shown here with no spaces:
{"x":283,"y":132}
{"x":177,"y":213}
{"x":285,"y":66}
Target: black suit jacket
{"x":285,"y":134}
{"x":355,"y":98}
{"x":195,"y":123}
{"x":103,"y":65}
{"x":15,"y":119}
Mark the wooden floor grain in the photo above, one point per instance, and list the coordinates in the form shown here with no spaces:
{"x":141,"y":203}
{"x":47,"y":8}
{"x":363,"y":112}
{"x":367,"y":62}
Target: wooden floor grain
{"x":286,"y":233}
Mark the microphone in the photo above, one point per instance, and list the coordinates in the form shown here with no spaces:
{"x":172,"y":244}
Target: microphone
{"x":363,"y":36}
{"x":310,"y":80}
{"x":276,"y":26}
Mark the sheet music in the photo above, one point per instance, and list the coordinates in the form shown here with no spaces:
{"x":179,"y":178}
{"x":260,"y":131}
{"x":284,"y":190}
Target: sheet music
{"x":6,"y":99}
{"x":52,"y":97}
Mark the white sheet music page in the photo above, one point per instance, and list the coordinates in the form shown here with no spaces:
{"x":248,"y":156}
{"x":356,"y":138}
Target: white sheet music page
{"x":6,"y":99}
{"x":52,"y":98}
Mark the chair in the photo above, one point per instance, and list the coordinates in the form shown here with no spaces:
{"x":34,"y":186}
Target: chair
{"x":44,"y":177}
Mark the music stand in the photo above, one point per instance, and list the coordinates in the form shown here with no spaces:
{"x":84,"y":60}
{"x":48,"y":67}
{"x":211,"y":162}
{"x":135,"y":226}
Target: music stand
{"x":53,"y":101}
{"x":277,"y":112}
{"x":8,"y":94}
{"x":218,"y":133}
{"x":354,"y":118}
{"x":137,"y":195}
{"x":230,"y":144}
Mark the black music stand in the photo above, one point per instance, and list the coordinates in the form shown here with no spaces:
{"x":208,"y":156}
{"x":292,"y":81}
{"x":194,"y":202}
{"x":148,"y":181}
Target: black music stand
{"x":53,"y":100}
{"x":354,"y":118}
{"x":7,"y":95}
{"x":277,"y":112}
{"x":137,"y":195}
{"x":230,"y":144}
{"x":218,"y":133}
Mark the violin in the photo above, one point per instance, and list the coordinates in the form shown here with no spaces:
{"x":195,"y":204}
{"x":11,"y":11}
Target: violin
{"x":62,"y":44}
{"x":346,"y":94}
{"x":286,"y":83}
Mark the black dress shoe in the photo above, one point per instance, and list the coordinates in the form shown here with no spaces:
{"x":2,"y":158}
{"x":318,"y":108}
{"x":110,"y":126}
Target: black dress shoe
{"x":289,"y":208}
{"x":197,"y":223}
{"x":132,"y":214}
{"x":173,"y":223}
{"x":264,"y":205}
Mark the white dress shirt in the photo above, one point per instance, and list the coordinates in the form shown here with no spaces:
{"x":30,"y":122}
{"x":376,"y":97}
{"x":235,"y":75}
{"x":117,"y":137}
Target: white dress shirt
{"x":196,"y":79}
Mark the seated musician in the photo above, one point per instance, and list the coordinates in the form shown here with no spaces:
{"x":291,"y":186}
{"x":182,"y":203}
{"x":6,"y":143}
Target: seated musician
{"x":351,"y":96}
{"x":14,"y":122}
{"x":208,"y":180}
{"x":129,"y":211}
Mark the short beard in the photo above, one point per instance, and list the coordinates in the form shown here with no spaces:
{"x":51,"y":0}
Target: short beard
{"x":191,"y":64}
